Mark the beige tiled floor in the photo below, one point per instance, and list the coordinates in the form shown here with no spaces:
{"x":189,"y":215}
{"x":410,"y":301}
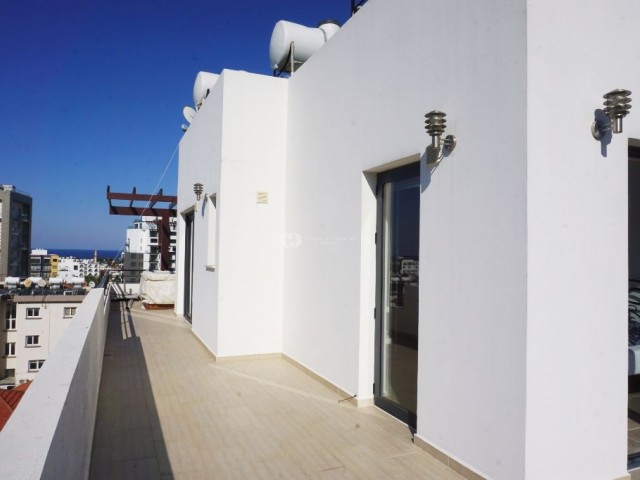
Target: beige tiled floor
{"x":166,"y":410}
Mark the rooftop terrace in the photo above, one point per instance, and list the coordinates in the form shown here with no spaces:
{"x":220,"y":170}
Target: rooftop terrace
{"x":168,"y":410}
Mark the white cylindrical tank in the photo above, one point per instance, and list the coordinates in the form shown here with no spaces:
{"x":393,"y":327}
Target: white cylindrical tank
{"x":329,"y":27}
{"x":12,"y":280}
{"x":307,"y":41}
{"x":55,"y":281}
{"x":202,"y":86}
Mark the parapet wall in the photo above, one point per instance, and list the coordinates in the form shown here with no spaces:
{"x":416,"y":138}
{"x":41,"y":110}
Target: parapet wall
{"x":50,"y":435}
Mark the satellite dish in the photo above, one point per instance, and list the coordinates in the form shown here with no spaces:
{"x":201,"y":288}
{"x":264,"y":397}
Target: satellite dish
{"x":92,"y":284}
{"x":27,"y":283}
{"x":189,"y":113}
{"x":42,"y":283}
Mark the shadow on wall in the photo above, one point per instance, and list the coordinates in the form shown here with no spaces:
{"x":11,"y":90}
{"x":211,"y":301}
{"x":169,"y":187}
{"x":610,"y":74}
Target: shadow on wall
{"x":601,"y":118}
{"x":128,"y":441}
{"x":425,"y":172}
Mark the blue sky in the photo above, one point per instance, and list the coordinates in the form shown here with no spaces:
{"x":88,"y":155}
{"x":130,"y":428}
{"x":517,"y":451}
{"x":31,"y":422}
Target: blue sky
{"x":91,"y":94}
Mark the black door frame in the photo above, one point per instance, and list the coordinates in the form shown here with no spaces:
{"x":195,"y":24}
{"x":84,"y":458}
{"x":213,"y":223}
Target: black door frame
{"x":397,"y":174}
{"x":189,"y":221}
{"x":633,"y":383}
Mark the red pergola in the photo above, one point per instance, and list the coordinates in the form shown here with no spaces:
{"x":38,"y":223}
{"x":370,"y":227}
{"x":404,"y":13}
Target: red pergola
{"x":165,"y":213}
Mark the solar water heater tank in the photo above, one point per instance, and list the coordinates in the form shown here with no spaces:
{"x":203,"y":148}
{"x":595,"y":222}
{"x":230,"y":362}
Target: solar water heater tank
{"x":202,"y":86}
{"x":306,"y":40}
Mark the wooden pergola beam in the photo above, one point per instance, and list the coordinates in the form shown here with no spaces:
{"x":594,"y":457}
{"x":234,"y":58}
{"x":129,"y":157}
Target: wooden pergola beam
{"x":165,"y":213}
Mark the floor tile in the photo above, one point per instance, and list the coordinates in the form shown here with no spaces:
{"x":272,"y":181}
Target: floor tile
{"x":167,"y":410}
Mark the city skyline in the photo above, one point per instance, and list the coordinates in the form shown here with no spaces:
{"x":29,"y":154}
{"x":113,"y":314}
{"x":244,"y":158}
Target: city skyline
{"x":93,"y":96}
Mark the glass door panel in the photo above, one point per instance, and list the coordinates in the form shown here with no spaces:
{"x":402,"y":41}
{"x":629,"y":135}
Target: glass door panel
{"x":398,"y":283}
{"x":188,"y":265}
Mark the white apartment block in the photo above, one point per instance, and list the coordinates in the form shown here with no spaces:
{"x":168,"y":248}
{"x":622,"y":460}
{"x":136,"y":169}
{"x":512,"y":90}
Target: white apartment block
{"x":30,"y":328}
{"x":71,"y":267}
{"x":142,"y":238}
{"x":311,"y":188}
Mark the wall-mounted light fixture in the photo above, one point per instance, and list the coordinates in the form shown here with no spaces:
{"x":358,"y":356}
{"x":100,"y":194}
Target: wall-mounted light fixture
{"x":198,"y":189}
{"x":616,"y":107}
{"x":435,"y":124}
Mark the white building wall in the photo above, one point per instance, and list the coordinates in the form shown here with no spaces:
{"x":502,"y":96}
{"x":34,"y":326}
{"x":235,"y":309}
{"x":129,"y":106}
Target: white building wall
{"x":250,"y":249}
{"x":523,"y":228}
{"x":350,"y":112}
{"x":200,"y":157}
{"x":137,"y":240}
{"x":577,"y":237}
{"x":69,"y":267}
{"x":239,"y":298}
{"x":49,"y":326}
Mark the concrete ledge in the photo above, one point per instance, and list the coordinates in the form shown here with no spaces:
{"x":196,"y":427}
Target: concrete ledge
{"x":444,"y":458}
{"x":50,"y":435}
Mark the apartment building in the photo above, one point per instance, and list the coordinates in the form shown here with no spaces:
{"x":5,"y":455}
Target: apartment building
{"x":44,"y":265}
{"x":32,"y":321}
{"x":15,"y":232}
{"x":71,"y":267}
{"x":142,"y":238}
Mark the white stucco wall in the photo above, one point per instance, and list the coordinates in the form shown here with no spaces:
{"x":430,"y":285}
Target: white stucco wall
{"x":523,"y":261}
{"x":577,"y":237}
{"x":236,"y":148}
{"x":350,"y":112}
{"x":200,"y":154}
{"x":250,"y":238}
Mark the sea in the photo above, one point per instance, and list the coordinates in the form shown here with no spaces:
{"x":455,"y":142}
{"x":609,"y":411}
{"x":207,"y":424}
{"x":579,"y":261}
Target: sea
{"x":84,"y":253}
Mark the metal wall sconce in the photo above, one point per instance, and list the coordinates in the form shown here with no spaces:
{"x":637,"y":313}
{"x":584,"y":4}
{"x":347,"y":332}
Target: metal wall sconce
{"x":198,"y":189}
{"x":616,"y":107}
{"x":435,"y":124}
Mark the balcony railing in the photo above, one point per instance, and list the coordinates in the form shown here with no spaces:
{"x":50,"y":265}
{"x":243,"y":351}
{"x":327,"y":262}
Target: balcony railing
{"x":51,"y":432}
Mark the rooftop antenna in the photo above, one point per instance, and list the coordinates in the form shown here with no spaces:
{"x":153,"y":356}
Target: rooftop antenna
{"x":189,"y":113}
